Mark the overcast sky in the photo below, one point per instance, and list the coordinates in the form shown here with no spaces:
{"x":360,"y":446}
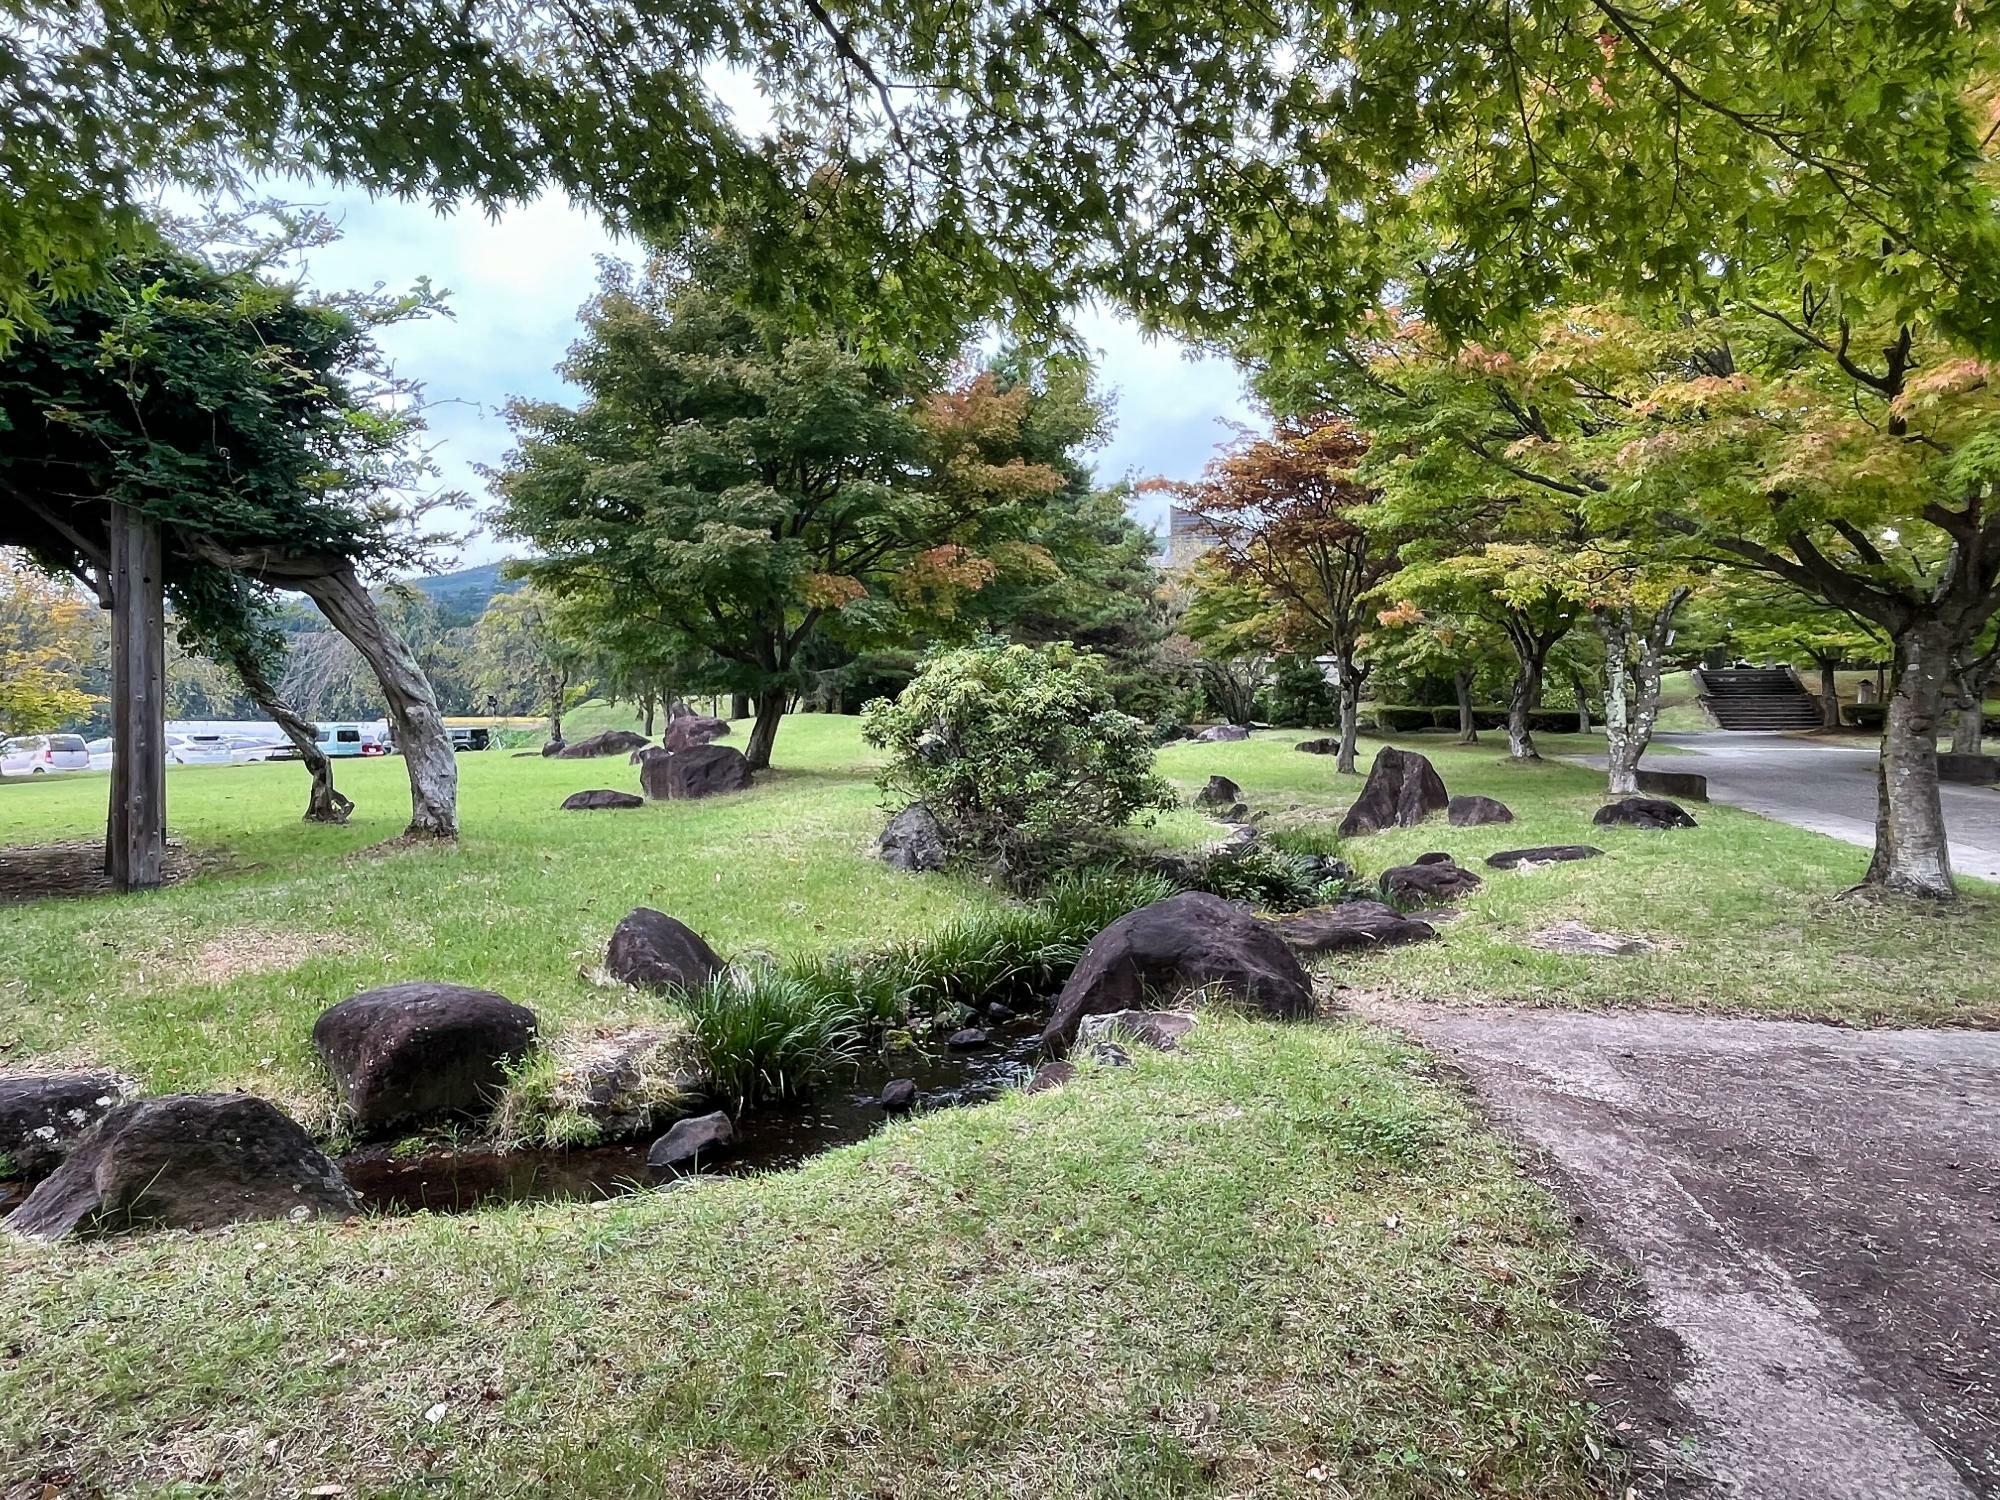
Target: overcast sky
{"x":515,"y":286}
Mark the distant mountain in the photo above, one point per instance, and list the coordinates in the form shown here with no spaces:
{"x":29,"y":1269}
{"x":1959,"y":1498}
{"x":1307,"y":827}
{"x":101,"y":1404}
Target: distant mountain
{"x":467,"y":591}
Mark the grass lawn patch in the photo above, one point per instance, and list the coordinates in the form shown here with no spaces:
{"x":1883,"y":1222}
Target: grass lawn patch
{"x":1282,"y":1262}
{"x":1747,"y":912}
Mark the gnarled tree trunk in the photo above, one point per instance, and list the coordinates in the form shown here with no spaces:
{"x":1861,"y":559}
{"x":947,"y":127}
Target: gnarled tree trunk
{"x":1632,"y":654}
{"x":324,"y":804}
{"x":1912,"y":855}
{"x":1527,"y":688}
{"x":1468,"y":728}
{"x":1971,"y":681}
{"x":136,"y":836}
{"x":1829,"y":693}
{"x":420,"y":733}
{"x":739,"y":705}
{"x":771,"y":703}
{"x":1582,"y":692}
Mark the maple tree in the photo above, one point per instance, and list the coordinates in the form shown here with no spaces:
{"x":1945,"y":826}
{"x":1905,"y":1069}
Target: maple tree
{"x":1286,"y":518}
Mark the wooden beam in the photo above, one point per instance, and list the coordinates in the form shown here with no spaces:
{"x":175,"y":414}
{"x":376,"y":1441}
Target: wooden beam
{"x":136,"y":843}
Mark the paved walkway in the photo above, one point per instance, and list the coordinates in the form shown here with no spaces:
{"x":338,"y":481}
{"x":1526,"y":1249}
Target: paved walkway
{"x":1828,"y":786}
{"x":1813,"y":1213}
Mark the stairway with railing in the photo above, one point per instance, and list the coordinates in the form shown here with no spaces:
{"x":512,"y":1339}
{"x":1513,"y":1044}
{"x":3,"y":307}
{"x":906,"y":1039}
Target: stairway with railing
{"x":1766,"y":698}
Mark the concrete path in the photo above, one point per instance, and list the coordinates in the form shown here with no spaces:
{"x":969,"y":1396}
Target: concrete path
{"x":1828,"y":786}
{"x":1815,"y":1213}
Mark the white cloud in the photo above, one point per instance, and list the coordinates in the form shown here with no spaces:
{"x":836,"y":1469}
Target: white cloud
{"x":516,"y":283}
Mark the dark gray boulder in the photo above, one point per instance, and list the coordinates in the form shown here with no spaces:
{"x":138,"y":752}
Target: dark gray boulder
{"x":913,"y":841}
{"x":1318,"y":747}
{"x":690,"y":730}
{"x":1403,"y":789}
{"x":409,"y":1054}
{"x":44,"y":1115}
{"x":1051,"y":1075}
{"x":1475,"y":812}
{"x":553,"y":748}
{"x":1352,"y":926}
{"x":1221,"y":732}
{"x":1546,"y":854}
{"x":703,"y":771}
{"x":657,"y":952}
{"x":967,"y":1039}
{"x":600,"y":799}
{"x":185,"y":1161}
{"x":1220,"y":792}
{"x":899,"y":1096}
{"x":1644,"y":812}
{"x":691,"y":1142}
{"x":1428,"y":882}
{"x":1186,"y":942}
{"x":1161,"y":1030}
{"x":610,"y":742}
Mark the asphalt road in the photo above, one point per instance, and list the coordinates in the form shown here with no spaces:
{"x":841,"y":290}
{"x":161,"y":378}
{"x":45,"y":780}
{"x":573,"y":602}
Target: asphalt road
{"x":1828,"y":787}
{"x":1811,"y":1212}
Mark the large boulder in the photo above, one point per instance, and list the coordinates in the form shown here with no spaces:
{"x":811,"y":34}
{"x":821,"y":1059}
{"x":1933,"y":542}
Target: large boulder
{"x":1161,"y":1030}
{"x":1545,"y":854}
{"x":1186,"y":942}
{"x":1644,"y":812}
{"x":600,"y":799}
{"x":703,"y":771}
{"x":553,"y":748}
{"x":1428,"y":882}
{"x":186,"y":1161}
{"x":1352,"y":926}
{"x":1223,"y":732}
{"x":655,"y":952}
{"x":1220,"y":792}
{"x":913,"y":841}
{"x":1403,"y":789}
{"x":688,"y":1144}
{"x":625,"y":1083}
{"x":44,"y":1115}
{"x":610,"y":742}
{"x":409,"y":1054}
{"x":1318,"y":747}
{"x":1475,"y":812}
{"x":691,"y":730}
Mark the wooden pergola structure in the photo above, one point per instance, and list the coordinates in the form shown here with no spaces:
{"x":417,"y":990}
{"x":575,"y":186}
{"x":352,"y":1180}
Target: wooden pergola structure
{"x":131,"y":561}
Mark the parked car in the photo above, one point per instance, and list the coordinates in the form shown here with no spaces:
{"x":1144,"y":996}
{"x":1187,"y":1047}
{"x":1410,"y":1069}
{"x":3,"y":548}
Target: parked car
{"x":100,"y":754}
{"x":39,"y":754}
{"x":470,"y":737}
{"x":244,"y":749}
{"x":339,"y":740}
{"x":197,"y":750}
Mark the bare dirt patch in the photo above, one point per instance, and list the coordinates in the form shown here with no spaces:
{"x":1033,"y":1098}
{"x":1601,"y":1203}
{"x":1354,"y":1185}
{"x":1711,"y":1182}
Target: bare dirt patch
{"x":75,"y":867}
{"x":1810,"y":1210}
{"x":219,"y":958}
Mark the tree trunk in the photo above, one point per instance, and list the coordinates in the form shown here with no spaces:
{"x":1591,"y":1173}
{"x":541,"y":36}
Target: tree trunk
{"x":1468,"y":728}
{"x":1829,"y":693}
{"x":1350,"y":716}
{"x":1576,"y":685}
{"x":324,"y":805}
{"x":739,"y":705}
{"x":1527,"y":688}
{"x":1632,"y":657}
{"x":558,"y":691}
{"x":1968,"y":733}
{"x":136,"y":834}
{"x":647,"y":704}
{"x":764,"y":732}
{"x":427,"y":755}
{"x":1911,"y":853}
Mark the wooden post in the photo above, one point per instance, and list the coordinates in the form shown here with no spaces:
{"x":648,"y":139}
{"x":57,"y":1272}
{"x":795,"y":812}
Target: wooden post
{"x":136,"y":845}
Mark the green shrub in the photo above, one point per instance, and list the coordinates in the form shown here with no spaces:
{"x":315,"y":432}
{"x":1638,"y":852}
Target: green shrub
{"x":1298,"y":695}
{"x":1015,"y":748}
{"x":1390,"y":719}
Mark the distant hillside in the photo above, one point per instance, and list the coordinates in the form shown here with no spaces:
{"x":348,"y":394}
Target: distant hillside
{"x":467,"y":591}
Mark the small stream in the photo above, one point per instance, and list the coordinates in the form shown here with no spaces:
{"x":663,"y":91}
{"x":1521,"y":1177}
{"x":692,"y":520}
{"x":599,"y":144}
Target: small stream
{"x":783,"y":1135}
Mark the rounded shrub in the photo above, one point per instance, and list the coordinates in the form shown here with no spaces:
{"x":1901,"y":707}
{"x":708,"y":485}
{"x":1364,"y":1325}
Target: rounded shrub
{"x":1014,"y":748}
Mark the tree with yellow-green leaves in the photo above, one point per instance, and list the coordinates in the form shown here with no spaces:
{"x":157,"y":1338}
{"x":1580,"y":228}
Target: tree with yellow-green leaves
{"x":47,"y":642}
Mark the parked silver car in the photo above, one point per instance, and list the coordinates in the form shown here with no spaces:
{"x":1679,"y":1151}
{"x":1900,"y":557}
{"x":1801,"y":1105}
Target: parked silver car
{"x":39,"y":754}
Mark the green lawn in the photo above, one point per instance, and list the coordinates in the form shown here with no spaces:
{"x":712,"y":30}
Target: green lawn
{"x":1284,"y":1262}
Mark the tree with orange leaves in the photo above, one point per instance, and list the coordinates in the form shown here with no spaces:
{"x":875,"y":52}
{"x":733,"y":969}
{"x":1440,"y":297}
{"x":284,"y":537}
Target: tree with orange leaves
{"x":1286,"y":517}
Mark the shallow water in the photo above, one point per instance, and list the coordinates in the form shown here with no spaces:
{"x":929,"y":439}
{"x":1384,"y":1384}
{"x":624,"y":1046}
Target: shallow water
{"x":784,"y":1135}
